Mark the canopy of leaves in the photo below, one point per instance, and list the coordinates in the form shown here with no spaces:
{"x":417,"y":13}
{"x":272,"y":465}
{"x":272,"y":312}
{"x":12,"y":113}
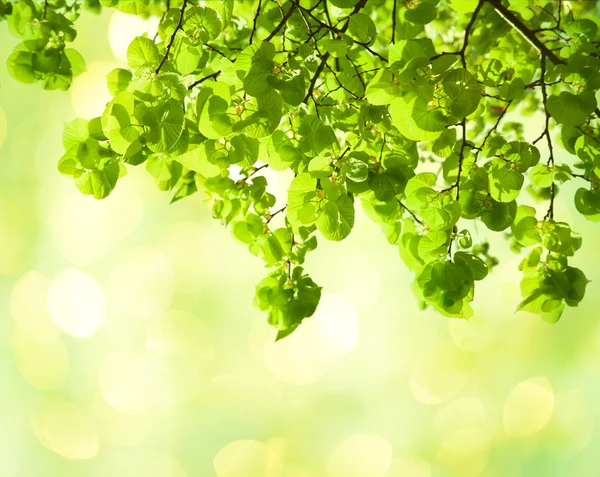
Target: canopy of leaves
{"x":357,"y":99}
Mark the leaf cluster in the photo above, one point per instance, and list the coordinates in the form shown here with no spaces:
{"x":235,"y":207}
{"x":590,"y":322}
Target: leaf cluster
{"x":362,"y":101}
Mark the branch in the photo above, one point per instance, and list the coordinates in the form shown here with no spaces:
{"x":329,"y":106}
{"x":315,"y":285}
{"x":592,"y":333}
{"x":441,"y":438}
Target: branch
{"x":254,"y":21}
{"x":550,"y":213}
{"x":172,"y":39}
{"x":202,"y":80}
{"x":162,"y":18}
{"x":315,"y":77}
{"x":270,"y":216}
{"x":419,"y":221}
{"x":494,"y":128}
{"x":325,"y":57}
{"x":527,"y":33}
{"x":394,"y":15}
{"x":461,"y":156}
{"x":45,"y":9}
{"x":468,"y":32}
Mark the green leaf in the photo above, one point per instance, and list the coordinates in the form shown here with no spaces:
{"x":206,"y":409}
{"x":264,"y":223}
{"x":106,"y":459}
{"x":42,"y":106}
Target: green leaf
{"x":202,"y":22}
{"x":571,"y":109}
{"x":421,"y":13}
{"x":344,"y":3}
{"x":357,"y":170}
{"x":118,"y":80}
{"x":142,"y":52}
{"x":463,"y":92}
{"x":505,"y":182}
{"x":336,"y":219}
{"x":498,"y":216}
{"x":76,"y":61}
{"x":118,"y":124}
{"x":99,"y":183}
{"x":362,"y":27}
{"x":166,"y":125}
{"x":416,"y":120}
{"x":302,"y":203}
{"x":320,"y":166}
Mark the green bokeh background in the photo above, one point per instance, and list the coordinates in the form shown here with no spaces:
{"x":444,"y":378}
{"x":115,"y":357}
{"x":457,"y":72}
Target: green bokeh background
{"x":129,"y":345}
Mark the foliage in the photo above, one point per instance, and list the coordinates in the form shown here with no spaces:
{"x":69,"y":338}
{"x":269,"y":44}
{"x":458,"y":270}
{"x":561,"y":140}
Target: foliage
{"x":357,"y":99}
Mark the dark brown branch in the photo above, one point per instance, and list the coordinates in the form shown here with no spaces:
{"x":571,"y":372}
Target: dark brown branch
{"x":411,"y":213}
{"x":550,"y":213}
{"x":254,"y":21}
{"x":325,"y":57}
{"x":527,"y":33}
{"x":394,"y":15}
{"x":280,"y":25}
{"x":172,"y":39}
{"x":202,"y":80}
{"x":468,"y":32}
{"x":270,"y":216}
{"x":494,"y":128}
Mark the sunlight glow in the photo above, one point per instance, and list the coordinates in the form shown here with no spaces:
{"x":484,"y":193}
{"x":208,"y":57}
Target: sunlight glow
{"x":66,"y":429}
{"x":123,"y":28}
{"x":76,"y":303}
{"x":44,"y":364}
{"x":360,"y":456}
{"x":528,"y":407}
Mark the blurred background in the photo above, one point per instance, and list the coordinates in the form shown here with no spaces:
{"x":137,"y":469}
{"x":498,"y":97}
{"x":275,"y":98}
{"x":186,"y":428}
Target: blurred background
{"x":129,"y":345}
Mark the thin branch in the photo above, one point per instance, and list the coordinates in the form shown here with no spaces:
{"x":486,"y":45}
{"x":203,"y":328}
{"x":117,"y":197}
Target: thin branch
{"x":45,"y":9}
{"x":162,"y":17}
{"x":270,"y":216}
{"x":461,"y":156}
{"x":394,"y":15}
{"x":325,"y":57}
{"x":527,"y":33}
{"x":315,"y":77}
{"x":468,"y":32}
{"x":254,"y":21}
{"x":256,"y":169}
{"x":550,"y":213}
{"x":202,"y":80}
{"x":172,"y":39}
{"x":411,"y":213}
{"x":281,"y":24}
{"x":494,"y":128}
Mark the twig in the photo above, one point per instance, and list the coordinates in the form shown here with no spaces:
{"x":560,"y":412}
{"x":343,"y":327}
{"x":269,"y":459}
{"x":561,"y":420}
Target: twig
{"x":394,"y":15}
{"x":550,"y":213}
{"x":202,"y":80}
{"x":172,"y":39}
{"x":280,"y":25}
{"x":254,"y":21}
{"x":468,"y":32}
{"x":412,"y":214}
{"x":270,"y":216}
{"x":494,"y":128}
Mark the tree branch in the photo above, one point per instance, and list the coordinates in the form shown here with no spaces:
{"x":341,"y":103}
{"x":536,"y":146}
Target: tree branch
{"x":202,"y":80}
{"x":394,"y":15}
{"x":468,"y":32}
{"x":254,"y":21}
{"x":527,"y":33}
{"x":411,"y":213}
{"x":172,"y":39}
